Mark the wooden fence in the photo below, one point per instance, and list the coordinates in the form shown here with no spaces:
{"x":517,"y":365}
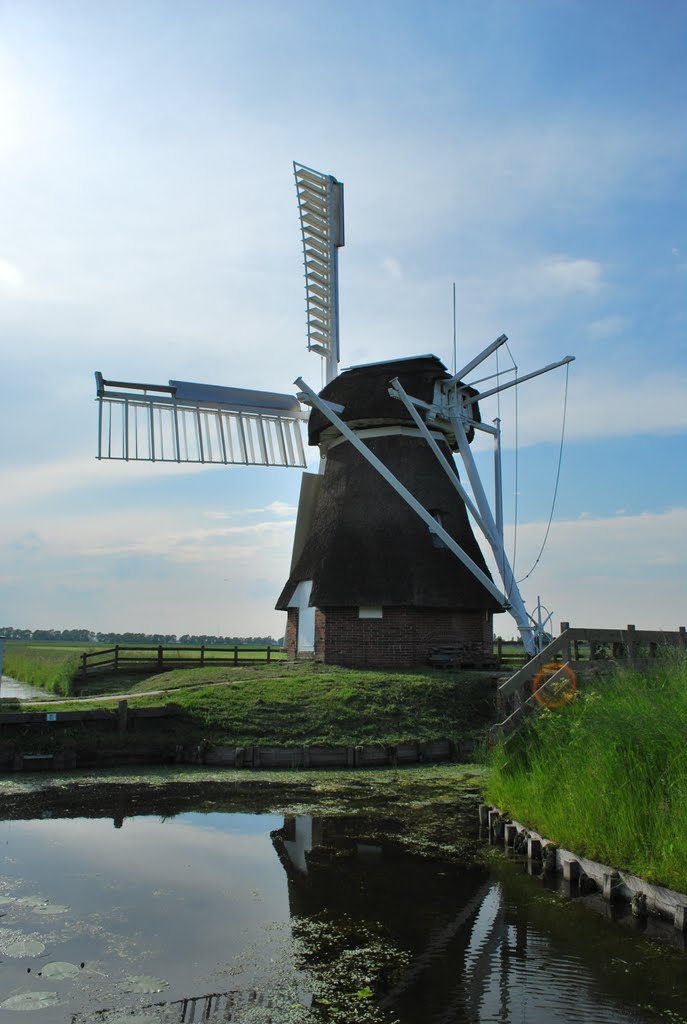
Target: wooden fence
{"x":584,"y":651}
{"x":164,"y":659}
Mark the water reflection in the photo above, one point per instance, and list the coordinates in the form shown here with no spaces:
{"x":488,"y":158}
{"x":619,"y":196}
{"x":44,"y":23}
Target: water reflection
{"x":16,"y":690}
{"x":484,"y":944}
{"x":240,"y":917}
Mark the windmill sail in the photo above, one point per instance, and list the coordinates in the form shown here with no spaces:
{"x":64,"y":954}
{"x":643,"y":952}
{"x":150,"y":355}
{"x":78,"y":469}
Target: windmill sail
{"x":186,"y":422}
{"x":320,"y":204}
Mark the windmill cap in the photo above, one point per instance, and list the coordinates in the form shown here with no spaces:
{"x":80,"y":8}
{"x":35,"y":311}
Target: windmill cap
{"x":363,"y":391}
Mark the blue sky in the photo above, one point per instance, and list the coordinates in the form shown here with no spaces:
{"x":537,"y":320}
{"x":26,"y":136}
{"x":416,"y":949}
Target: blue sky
{"x":532,"y":152}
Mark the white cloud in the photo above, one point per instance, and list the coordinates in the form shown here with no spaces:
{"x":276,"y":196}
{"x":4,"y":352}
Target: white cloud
{"x":601,"y":404}
{"x":11,"y":278}
{"x":36,"y":482}
{"x":556,"y":277}
{"x":609,"y":572}
{"x":608,"y":326}
{"x":392,"y":268}
{"x":568,"y":275}
{"x":278,"y":508}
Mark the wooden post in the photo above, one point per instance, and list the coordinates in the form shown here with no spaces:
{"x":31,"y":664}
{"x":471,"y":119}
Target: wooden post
{"x":571,"y":870}
{"x":122,"y":715}
{"x":681,"y":636}
{"x":680,"y":918}
{"x":567,"y":653}
{"x":268,"y":652}
{"x":611,"y":883}
{"x":533,"y":848}
{"x":631,"y":652}
{"x":83,"y":667}
{"x":202,"y":655}
{"x":236,"y":654}
{"x":159,"y":656}
{"x":116,"y":657}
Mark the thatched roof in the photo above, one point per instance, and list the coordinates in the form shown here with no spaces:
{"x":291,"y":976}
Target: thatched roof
{"x":364,"y":393}
{"x":367,"y":547}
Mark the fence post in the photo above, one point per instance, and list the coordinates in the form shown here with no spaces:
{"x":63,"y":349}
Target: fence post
{"x":83,"y":667}
{"x":681,"y":636}
{"x":631,"y":651}
{"x":268,"y":652}
{"x":159,"y":656}
{"x":236,"y":654}
{"x":202,"y":655}
{"x":567,"y":653}
{"x":499,"y":649}
{"x":116,"y":657}
{"x":122,"y":715}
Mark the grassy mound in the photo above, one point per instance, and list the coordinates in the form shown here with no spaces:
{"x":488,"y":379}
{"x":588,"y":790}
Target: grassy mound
{"x":318,"y":704}
{"x":607,"y":775}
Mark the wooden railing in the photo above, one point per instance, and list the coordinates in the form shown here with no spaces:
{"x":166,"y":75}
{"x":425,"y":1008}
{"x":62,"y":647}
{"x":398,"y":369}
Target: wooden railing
{"x":163,"y":659}
{"x":585,"y":652}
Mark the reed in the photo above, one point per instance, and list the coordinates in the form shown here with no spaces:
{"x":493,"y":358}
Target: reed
{"x":53,"y":671}
{"x":607,"y":775}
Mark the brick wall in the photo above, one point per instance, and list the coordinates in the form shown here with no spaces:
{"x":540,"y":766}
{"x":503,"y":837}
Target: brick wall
{"x":403,"y":638}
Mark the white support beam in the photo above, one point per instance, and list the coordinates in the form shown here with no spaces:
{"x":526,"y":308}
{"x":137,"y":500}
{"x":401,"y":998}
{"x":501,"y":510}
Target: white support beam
{"x":484,"y":354}
{"x":514,"y":598}
{"x":398,"y":391}
{"x":521,"y":380}
{"x":410,"y":500}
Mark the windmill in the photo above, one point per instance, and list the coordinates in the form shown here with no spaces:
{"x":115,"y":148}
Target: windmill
{"x":385,"y":566}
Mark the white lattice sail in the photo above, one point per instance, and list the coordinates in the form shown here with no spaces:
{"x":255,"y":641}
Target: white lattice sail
{"x":320,"y":204}
{"x":187,"y":422}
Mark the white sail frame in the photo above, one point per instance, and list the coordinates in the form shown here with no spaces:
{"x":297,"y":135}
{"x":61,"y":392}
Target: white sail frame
{"x":183,"y":423}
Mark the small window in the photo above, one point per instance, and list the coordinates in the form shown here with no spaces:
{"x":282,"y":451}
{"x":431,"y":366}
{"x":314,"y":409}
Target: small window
{"x":437,"y":542}
{"x":370,"y":612}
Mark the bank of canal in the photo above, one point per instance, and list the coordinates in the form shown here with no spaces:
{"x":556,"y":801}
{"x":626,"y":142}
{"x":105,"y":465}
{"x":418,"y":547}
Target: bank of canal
{"x":296,"y":897}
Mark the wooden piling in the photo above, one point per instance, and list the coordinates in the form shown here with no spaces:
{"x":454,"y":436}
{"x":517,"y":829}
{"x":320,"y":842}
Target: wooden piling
{"x":122,"y":715}
{"x":509,"y":833}
{"x":571,"y":870}
{"x":611,"y":883}
{"x":533,"y":848}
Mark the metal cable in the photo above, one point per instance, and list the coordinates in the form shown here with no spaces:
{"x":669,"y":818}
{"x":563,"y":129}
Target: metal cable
{"x":515,"y":510}
{"x":558,"y":476}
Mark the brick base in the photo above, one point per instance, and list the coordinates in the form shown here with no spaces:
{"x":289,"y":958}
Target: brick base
{"x":403,"y":638}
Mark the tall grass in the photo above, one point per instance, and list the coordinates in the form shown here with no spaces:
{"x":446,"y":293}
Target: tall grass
{"x":607,"y":775}
{"x":54,"y":671}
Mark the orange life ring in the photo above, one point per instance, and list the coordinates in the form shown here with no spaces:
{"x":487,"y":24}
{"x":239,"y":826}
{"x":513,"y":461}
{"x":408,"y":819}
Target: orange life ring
{"x":561,"y":693}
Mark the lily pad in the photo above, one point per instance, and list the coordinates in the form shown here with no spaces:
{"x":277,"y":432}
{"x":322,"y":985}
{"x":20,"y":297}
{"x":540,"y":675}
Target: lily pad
{"x":32,"y":901}
{"x":14,"y":944}
{"x":31,"y":1001}
{"x":143,"y":983}
{"x":59,"y":970}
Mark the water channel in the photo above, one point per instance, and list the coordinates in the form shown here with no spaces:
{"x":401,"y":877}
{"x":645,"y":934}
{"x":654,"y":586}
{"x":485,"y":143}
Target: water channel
{"x":13,"y":688}
{"x":112,"y":914}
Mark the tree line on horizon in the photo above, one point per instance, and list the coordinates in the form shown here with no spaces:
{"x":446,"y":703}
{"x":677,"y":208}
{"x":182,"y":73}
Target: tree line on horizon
{"x":89,"y":637}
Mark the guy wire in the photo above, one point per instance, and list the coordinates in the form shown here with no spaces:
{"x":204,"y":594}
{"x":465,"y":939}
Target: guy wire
{"x":558,"y":476}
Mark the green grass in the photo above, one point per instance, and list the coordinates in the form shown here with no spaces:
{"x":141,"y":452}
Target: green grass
{"x":51,"y":668}
{"x":55,"y":666}
{"x":292,"y":706}
{"x":607,"y":775}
